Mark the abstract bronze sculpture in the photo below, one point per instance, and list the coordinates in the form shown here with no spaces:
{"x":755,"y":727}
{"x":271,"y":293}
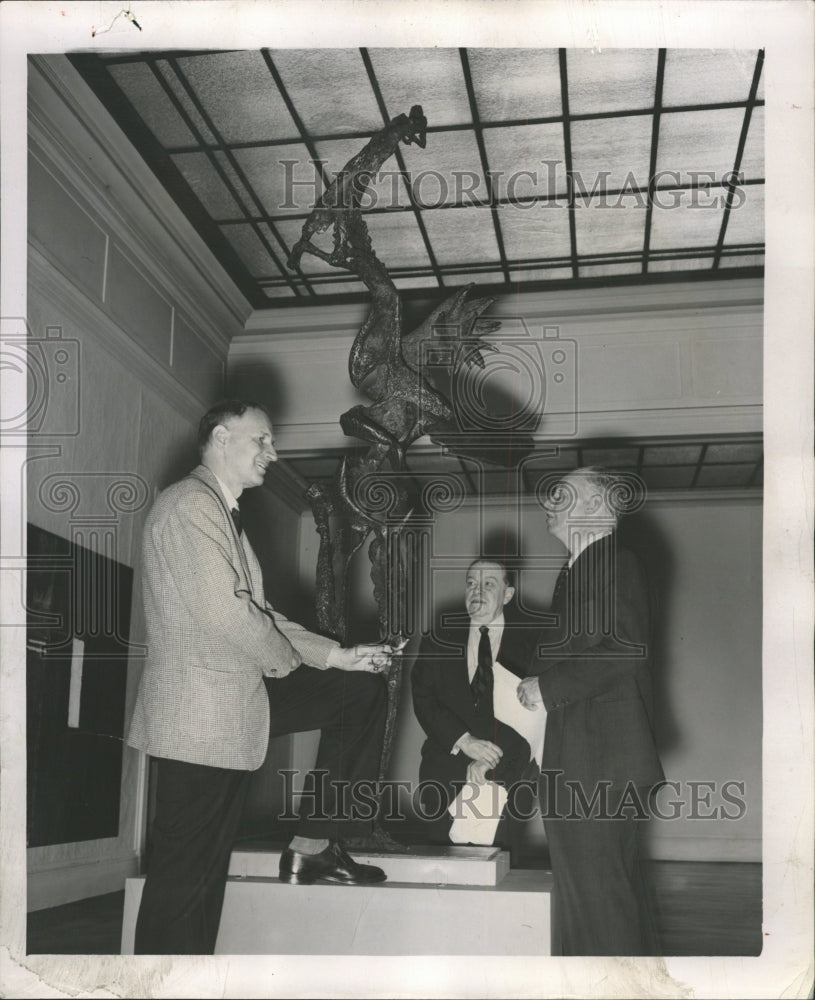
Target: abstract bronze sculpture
{"x":365,"y":497}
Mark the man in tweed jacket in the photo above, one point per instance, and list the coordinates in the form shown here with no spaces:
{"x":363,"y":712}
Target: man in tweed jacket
{"x":224,"y":671}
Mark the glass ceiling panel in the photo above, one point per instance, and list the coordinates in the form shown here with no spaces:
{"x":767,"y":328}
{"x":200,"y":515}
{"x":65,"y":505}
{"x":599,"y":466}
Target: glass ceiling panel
{"x":725,"y":475}
{"x":746,"y":222}
{"x":608,"y":151}
{"x":147,"y":95}
{"x":207,"y":185}
{"x":329,"y":88}
{"x":601,"y":229}
{"x":428,"y":282}
{"x":605,"y":270}
{"x":688,"y":219}
{"x":742,"y":260}
{"x":476,"y":277}
{"x":705,"y":76}
{"x":283,"y":292}
{"x":397,"y":240}
{"x":676,"y":478}
{"x":465,"y":235}
{"x":555,"y":272}
{"x":446,"y":170}
{"x":171,"y":77}
{"x":430,"y":77}
{"x":536,"y":232}
{"x":743,"y":452}
{"x":339,"y":287}
{"x":611,"y":79}
{"x":283,"y":186}
{"x":253,"y":112}
{"x":752,"y":160}
{"x":514,"y":84}
{"x":672,"y":455}
{"x":251,"y":250}
{"x":387,"y":191}
{"x":704,"y":141}
{"x":516,"y":156}
{"x":611,"y":456}
{"x":701,"y":263}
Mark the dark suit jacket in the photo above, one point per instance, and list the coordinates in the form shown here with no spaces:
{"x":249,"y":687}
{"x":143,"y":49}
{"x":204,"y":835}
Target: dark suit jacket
{"x":594,"y":671}
{"x":442,"y":699}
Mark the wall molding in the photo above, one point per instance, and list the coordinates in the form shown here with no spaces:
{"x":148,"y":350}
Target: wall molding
{"x":93,"y":320}
{"x":592,"y":303}
{"x":97,"y":165}
{"x":743,"y":849}
{"x":56,"y":884}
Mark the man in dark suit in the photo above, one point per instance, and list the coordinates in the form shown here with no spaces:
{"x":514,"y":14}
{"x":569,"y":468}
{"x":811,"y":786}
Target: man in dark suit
{"x":224,"y":671}
{"x":592,"y":674}
{"x":452,"y":683}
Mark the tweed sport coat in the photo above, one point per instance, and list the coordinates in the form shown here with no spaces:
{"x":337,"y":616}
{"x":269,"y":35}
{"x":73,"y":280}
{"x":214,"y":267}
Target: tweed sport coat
{"x":211,"y":635}
{"x":594,"y":672}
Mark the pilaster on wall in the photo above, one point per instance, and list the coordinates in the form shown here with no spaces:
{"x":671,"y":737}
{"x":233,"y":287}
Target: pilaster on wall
{"x":643,"y":360}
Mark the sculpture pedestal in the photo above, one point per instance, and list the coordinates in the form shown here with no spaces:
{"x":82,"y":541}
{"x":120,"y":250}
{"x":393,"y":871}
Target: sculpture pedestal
{"x":263,"y":916}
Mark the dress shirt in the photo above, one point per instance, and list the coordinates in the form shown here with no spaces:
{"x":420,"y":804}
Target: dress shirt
{"x":231,"y":502}
{"x":496,"y":628}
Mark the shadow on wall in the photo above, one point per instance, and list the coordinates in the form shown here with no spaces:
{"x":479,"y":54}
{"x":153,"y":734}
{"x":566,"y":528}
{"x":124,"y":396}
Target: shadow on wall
{"x":643,"y":535}
{"x":259,"y":383}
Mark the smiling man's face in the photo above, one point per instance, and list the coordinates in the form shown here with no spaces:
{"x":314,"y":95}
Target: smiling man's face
{"x":486,"y":592}
{"x":248,"y":449}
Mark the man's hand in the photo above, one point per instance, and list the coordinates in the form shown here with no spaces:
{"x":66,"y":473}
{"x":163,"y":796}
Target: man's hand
{"x":481,"y":751}
{"x":375,"y":659}
{"x":476,"y":772}
{"x":529,"y":694}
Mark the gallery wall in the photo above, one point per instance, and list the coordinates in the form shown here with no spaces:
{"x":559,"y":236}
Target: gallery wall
{"x":120,"y":287}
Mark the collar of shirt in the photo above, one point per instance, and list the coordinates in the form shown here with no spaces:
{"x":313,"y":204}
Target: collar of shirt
{"x":231,"y":502}
{"x":582,"y":542}
{"x":496,"y":627}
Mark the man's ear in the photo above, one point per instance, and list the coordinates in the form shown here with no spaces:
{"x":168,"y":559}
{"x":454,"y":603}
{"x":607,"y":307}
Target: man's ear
{"x":594,"y":503}
{"x":509,"y":593}
{"x":219,"y":434}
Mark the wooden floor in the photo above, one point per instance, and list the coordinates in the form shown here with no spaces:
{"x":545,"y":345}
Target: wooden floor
{"x":703,"y":908}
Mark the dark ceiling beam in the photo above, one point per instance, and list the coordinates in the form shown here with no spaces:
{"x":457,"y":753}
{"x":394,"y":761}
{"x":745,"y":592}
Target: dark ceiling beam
{"x":383,"y":110}
{"x":609,"y":257}
{"x":567,"y":156}
{"x":230,"y":156}
{"x":699,"y":465}
{"x":482,"y":152}
{"x":305,"y":138}
{"x":547,"y":285}
{"x":652,"y":168}
{"x":731,"y":187}
{"x":497,"y":123}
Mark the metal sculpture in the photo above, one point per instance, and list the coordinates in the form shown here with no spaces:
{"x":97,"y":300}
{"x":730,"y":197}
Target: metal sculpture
{"x":365,"y":497}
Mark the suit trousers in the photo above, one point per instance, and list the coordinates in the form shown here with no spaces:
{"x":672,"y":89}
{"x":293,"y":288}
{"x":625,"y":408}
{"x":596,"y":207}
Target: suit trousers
{"x":199,"y":808}
{"x":450,"y":770}
{"x":602,"y":900}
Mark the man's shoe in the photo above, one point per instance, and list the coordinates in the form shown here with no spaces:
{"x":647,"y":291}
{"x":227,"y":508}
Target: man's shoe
{"x":331,"y":865}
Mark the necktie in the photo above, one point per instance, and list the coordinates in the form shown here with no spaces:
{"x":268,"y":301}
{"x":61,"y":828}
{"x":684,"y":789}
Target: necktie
{"x":236,"y":517}
{"x":481,"y":684}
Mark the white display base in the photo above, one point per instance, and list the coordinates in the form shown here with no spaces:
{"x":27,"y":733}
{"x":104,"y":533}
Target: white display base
{"x":454,"y":865}
{"x":263,"y":916}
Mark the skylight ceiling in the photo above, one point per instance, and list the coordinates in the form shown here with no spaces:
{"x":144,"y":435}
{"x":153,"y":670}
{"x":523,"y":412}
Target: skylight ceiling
{"x":659,"y":154}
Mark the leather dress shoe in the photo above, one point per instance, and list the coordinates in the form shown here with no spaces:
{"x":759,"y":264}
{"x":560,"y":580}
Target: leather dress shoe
{"x":331,"y":865}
